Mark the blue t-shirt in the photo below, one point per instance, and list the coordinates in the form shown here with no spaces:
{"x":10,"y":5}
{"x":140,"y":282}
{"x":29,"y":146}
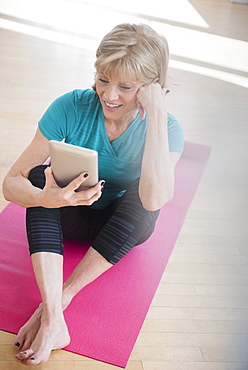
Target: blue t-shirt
{"x":77,"y":117}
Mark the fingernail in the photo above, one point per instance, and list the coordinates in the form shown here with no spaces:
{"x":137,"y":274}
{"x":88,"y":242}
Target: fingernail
{"x":17,"y":344}
{"x":32,"y":358}
{"x":102,"y":183}
{"x":86,"y":175}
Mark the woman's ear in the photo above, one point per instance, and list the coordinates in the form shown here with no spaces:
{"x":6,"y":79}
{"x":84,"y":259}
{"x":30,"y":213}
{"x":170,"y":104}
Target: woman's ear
{"x":94,"y":84}
{"x":141,"y":110}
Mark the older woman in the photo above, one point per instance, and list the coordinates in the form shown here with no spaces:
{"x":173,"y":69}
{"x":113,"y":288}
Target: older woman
{"x":124,"y":118}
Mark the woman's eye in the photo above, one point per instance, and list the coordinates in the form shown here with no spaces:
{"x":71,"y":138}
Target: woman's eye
{"x":125,"y":87}
{"x":103,"y":81}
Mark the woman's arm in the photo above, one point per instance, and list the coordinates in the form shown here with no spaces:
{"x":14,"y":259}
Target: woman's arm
{"x":157,"y":172}
{"x":18,"y":189}
{"x":16,"y":186}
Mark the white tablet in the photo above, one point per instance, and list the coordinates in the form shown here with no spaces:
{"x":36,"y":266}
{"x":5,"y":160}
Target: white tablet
{"x":69,"y":161}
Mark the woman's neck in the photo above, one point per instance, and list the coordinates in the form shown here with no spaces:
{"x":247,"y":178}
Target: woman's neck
{"x":115,"y":128}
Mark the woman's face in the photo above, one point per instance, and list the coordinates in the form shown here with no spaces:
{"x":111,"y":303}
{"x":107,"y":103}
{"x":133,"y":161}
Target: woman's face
{"x":118,"y":98}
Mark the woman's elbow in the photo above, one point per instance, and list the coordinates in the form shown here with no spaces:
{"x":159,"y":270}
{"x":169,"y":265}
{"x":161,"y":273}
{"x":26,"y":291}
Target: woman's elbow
{"x":5,"y":190}
{"x":154,"y":204}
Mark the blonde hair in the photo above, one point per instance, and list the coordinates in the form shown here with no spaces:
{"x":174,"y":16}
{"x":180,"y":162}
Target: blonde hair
{"x":135,"y":52}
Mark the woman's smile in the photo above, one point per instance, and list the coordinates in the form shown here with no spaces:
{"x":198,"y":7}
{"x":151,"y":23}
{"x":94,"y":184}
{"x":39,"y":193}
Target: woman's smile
{"x":118,"y":99}
{"x":111,"y":106}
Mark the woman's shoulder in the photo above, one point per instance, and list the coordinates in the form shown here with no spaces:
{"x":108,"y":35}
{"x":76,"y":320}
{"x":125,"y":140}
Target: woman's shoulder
{"x":172,"y":121}
{"x":76,"y":98}
{"x":84,"y":97}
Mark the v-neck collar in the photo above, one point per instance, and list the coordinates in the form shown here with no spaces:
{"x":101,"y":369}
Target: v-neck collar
{"x":111,"y":144}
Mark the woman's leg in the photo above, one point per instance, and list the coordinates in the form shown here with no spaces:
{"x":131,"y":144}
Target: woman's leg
{"x":122,"y":226}
{"x":127,"y":217}
{"x":49,"y":322}
{"x":52,"y":332}
{"x":40,"y":334}
{"x":129,"y":225}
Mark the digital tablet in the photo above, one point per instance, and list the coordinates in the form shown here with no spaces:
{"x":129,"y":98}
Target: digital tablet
{"x":69,"y":161}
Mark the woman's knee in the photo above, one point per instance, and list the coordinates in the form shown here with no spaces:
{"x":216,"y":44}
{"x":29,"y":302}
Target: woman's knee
{"x":37,"y":176}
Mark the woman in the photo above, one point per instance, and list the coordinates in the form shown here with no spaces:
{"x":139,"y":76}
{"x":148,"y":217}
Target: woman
{"x":124,"y":118}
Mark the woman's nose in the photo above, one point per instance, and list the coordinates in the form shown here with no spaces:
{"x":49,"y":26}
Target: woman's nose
{"x":111,"y":93}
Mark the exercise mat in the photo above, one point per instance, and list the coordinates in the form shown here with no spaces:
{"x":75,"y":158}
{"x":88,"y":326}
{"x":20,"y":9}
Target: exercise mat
{"x":105,"y":318}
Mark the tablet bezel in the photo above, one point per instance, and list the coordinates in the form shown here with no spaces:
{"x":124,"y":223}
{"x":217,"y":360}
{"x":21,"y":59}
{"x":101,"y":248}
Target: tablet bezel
{"x":68,"y":161}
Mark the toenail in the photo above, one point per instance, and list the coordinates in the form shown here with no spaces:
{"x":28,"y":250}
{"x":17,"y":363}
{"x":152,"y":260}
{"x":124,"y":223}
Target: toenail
{"x":17,"y":344}
{"x":32,"y":358}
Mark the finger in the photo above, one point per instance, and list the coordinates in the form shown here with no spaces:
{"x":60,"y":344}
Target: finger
{"x":49,"y":176}
{"x":47,"y":173}
{"x":95,"y":198}
{"x":74,"y":184}
{"x":91,"y":200}
{"x":102,"y":183}
{"x":92,"y":191}
{"x":90,"y":195}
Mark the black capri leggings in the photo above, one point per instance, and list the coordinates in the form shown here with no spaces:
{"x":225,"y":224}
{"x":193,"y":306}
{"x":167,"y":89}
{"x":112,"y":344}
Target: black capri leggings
{"x":113,"y":231}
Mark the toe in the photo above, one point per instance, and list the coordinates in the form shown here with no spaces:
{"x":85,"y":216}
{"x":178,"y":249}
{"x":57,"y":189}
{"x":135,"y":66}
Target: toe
{"x":33,"y":361}
{"x":17,"y":345}
{"x":30,"y":361}
{"x":24,"y":354}
{"x":36,"y":358}
{"x":26,"y":344}
{"x":19,"y":340}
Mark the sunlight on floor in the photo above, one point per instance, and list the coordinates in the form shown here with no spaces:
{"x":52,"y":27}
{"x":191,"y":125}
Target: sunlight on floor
{"x":210,"y":72}
{"x":82,"y":24}
{"x":165,"y":10}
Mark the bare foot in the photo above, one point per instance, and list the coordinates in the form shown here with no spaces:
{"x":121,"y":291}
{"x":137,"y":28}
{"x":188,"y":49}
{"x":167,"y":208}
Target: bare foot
{"x":27,"y":333}
{"x":52,"y":334}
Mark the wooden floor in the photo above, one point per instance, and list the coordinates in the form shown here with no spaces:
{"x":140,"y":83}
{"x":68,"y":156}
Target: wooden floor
{"x":199,"y":317}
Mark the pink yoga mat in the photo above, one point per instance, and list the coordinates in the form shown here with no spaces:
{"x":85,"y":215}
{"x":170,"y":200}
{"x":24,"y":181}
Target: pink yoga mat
{"x":105,"y":318}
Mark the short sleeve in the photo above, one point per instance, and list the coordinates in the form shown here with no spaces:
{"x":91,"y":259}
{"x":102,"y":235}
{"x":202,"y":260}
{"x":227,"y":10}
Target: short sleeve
{"x":175,"y":135}
{"x":57,"y":119}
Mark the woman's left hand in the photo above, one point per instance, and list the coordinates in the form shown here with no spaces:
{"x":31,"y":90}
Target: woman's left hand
{"x":151,"y":97}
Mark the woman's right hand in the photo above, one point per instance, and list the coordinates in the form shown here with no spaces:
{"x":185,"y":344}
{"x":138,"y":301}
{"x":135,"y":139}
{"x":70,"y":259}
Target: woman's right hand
{"x":53,"y":196}
{"x":18,"y":189}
